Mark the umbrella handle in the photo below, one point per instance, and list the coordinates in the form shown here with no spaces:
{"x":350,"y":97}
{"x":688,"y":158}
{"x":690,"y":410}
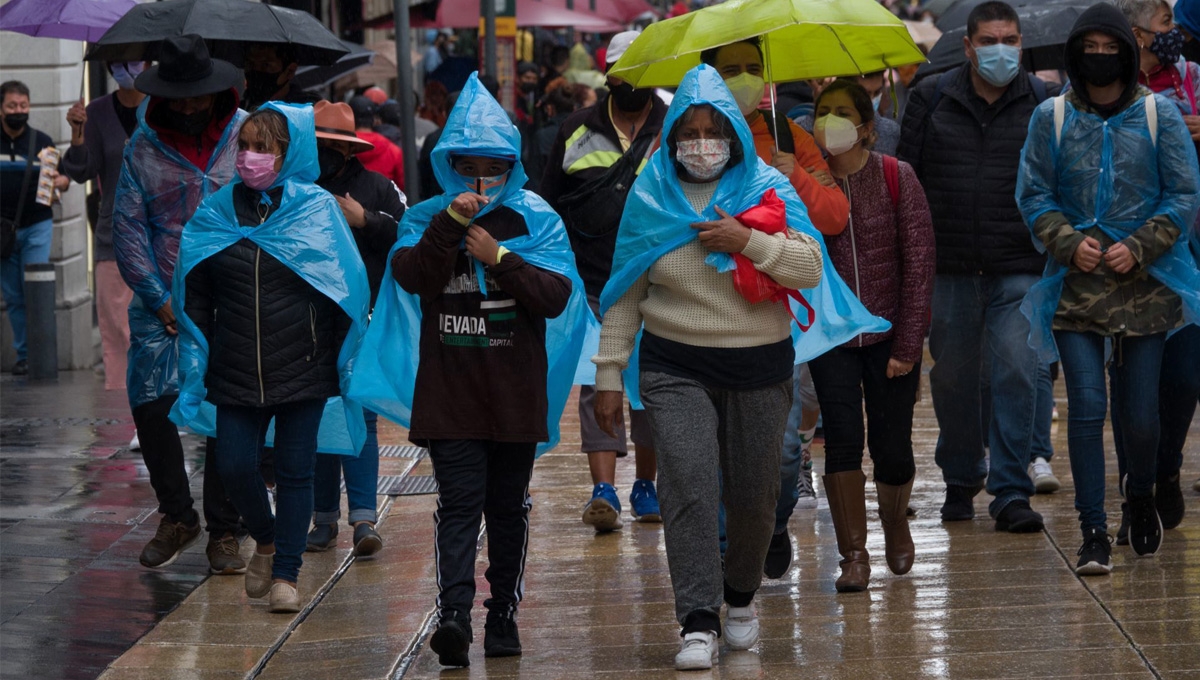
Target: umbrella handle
{"x":771,"y":83}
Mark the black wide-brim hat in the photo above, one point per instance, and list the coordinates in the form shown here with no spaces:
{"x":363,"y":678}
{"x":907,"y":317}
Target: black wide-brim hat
{"x":185,"y":69}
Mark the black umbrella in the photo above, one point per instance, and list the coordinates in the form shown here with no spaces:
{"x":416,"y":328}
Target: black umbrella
{"x":1045,"y":28}
{"x":226,"y":25}
{"x":312,"y":77}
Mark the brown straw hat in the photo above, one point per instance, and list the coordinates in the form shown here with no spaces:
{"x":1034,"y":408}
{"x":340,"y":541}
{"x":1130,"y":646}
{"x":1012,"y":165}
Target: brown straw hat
{"x":336,"y":121}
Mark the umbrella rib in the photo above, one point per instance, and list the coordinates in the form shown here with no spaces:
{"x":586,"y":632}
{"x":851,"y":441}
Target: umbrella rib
{"x":844,"y":49}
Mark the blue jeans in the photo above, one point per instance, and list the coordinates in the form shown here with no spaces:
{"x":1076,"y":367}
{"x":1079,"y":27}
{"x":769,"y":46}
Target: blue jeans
{"x":1178,"y":391}
{"x":240,"y":434}
{"x":1136,"y":365}
{"x":978,"y":319}
{"x":32,"y":246}
{"x":1043,"y":419}
{"x":362,"y":481}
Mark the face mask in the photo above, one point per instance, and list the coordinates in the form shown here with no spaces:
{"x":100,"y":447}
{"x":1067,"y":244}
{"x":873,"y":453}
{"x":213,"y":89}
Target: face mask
{"x":747,"y":91}
{"x":1168,"y":46}
{"x":16,"y":121}
{"x":528,"y":87}
{"x":331,"y":161}
{"x":192,"y":124}
{"x":488,"y":187}
{"x":1100,"y":70}
{"x":257,"y":170}
{"x":260,"y":86}
{"x":704,"y":159}
{"x":125,"y":74}
{"x":628,"y":99}
{"x":835,"y":134}
{"x":998,"y":64}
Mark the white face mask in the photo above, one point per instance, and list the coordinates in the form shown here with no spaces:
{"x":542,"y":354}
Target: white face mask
{"x":747,"y":91}
{"x":704,"y":159}
{"x":835,"y":134}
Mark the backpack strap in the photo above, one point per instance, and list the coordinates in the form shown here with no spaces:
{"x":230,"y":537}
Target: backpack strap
{"x":1060,"y":115}
{"x":891,"y":175}
{"x":1152,"y":118}
{"x":785,"y":143}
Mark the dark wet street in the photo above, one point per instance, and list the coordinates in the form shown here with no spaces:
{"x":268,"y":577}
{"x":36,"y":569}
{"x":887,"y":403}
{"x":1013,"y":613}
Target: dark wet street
{"x":76,"y":508}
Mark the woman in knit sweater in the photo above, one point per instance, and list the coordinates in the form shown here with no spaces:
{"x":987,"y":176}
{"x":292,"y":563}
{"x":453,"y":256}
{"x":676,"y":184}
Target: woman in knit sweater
{"x":886,"y":254}
{"x":716,"y":370}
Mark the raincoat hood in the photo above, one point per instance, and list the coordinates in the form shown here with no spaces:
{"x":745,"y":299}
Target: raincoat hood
{"x":1109,"y":20}
{"x":300,"y":161}
{"x":1187,"y":15}
{"x":385,"y":376}
{"x":478,"y":126}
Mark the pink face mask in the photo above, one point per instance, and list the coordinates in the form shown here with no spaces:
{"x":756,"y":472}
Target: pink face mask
{"x":257,"y":170}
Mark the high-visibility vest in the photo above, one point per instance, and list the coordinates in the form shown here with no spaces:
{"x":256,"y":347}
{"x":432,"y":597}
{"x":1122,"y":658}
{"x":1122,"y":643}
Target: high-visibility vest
{"x":587,"y":148}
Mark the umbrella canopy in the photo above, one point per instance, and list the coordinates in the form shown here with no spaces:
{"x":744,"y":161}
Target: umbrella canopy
{"x":802,"y":39}
{"x":1045,"y":27}
{"x":465,"y":14}
{"x":312,"y":77}
{"x":84,"y":20}
{"x":226,"y":25}
{"x":382,"y":68}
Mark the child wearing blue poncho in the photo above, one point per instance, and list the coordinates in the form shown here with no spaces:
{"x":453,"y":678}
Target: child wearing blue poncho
{"x":474,"y":346}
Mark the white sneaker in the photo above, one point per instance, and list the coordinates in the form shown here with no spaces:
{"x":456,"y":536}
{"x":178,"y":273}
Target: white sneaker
{"x":741,"y":627}
{"x":134,"y":444}
{"x":807,"y":499}
{"x":1043,"y":477}
{"x":697,"y":652}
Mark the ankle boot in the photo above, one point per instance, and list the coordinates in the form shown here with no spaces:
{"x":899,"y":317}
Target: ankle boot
{"x":893,"y":509}
{"x":848,"y":505}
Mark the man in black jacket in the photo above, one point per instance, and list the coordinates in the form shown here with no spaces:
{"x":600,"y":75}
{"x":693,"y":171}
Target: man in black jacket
{"x":373,"y":206}
{"x":963,"y":132}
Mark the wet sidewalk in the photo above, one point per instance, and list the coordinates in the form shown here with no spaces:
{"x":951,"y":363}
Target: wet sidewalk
{"x":75,"y":509}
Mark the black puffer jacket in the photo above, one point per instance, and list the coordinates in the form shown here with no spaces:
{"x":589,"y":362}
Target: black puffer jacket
{"x":383,"y":206}
{"x":273,"y":338}
{"x":966,"y":155}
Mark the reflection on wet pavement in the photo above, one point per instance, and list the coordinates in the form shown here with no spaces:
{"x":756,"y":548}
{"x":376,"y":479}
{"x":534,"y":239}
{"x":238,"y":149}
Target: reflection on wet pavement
{"x":75,"y":510}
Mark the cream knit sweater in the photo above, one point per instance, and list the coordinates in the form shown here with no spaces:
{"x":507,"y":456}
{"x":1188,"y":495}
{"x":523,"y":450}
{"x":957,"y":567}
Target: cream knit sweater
{"x":681,"y":298}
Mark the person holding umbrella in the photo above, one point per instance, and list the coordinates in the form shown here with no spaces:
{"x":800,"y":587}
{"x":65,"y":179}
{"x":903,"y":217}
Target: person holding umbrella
{"x":182,"y":150}
{"x":1110,"y":188}
{"x":270,"y":68}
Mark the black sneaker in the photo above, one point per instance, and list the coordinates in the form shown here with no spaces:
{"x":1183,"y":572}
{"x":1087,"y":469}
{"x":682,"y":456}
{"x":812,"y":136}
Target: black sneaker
{"x":1018,"y":518}
{"x":500,"y":637}
{"x":451,"y":642}
{"x":21,"y":368}
{"x":1123,"y":531}
{"x":1095,"y":555}
{"x":1145,"y":528}
{"x":779,"y":556}
{"x":960,"y":503}
{"x":366,"y":540}
{"x":171,"y":539}
{"x":322,"y":537}
{"x":1168,"y":500}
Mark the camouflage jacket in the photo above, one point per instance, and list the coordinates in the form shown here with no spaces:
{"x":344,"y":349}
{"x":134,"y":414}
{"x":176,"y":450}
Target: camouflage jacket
{"x":1103,"y":301}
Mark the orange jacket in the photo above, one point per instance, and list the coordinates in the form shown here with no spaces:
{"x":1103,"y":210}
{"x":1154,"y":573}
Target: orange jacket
{"x":827,"y":206}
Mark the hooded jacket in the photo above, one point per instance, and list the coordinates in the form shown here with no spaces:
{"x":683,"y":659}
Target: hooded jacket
{"x":383,"y":204}
{"x":1110,"y":178}
{"x":158,"y":191}
{"x":460,"y":349}
{"x":272,"y":297}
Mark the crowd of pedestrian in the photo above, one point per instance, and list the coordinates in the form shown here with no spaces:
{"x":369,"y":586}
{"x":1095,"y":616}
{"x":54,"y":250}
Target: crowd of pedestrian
{"x":743,"y":273}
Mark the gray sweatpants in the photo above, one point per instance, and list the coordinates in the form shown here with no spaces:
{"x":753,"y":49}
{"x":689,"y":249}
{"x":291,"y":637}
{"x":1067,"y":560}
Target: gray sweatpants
{"x":697,"y":431}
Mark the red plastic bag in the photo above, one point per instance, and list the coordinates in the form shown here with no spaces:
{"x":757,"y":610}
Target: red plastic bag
{"x":769,"y":217}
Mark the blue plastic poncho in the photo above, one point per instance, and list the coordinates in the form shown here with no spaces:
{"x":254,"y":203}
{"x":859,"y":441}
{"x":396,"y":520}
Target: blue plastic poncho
{"x":387,"y":369}
{"x":158,"y":191}
{"x":658,"y":219}
{"x":307,"y":233}
{"x":1110,"y":174}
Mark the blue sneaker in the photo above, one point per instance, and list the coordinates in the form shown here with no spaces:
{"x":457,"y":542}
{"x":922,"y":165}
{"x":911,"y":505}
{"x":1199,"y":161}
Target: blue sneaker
{"x":643,"y":502}
{"x":603,"y":512}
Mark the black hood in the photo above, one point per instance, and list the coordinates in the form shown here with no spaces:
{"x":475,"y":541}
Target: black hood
{"x":1107,"y":19}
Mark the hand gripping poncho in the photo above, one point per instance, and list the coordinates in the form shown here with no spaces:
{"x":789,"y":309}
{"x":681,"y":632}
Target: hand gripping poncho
{"x":658,"y":219}
{"x":1109,"y":173}
{"x":387,"y":370}
{"x":308,"y":234}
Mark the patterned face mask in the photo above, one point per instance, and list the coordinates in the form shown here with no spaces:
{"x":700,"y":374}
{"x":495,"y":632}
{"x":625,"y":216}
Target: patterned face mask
{"x":1167,"y":46}
{"x":704,"y":159}
{"x":488,"y":187}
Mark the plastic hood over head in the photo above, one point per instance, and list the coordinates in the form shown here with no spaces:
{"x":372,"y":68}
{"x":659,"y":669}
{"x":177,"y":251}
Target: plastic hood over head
{"x":308,"y":234}
{"x":478,"y":126}
{"x":386,"y":373}
{"x":658,"y":219}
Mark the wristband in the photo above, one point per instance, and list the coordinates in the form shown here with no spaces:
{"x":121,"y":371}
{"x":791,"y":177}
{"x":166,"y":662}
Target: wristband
{"x":500,"y":253}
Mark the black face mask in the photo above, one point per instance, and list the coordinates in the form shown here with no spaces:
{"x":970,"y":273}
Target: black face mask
{"x":628,"y":99}
{"x":1100,"y":70}
{"x":528,"y":87}
{"x":260,"y":86}
{"x":16,"y":121}
{"x":192,"y":124}
{"x":331,"y":161}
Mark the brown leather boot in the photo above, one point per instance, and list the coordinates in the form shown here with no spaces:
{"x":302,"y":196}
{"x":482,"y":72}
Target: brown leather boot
{"x":848,"y":505}
{"x":893,"y":509}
